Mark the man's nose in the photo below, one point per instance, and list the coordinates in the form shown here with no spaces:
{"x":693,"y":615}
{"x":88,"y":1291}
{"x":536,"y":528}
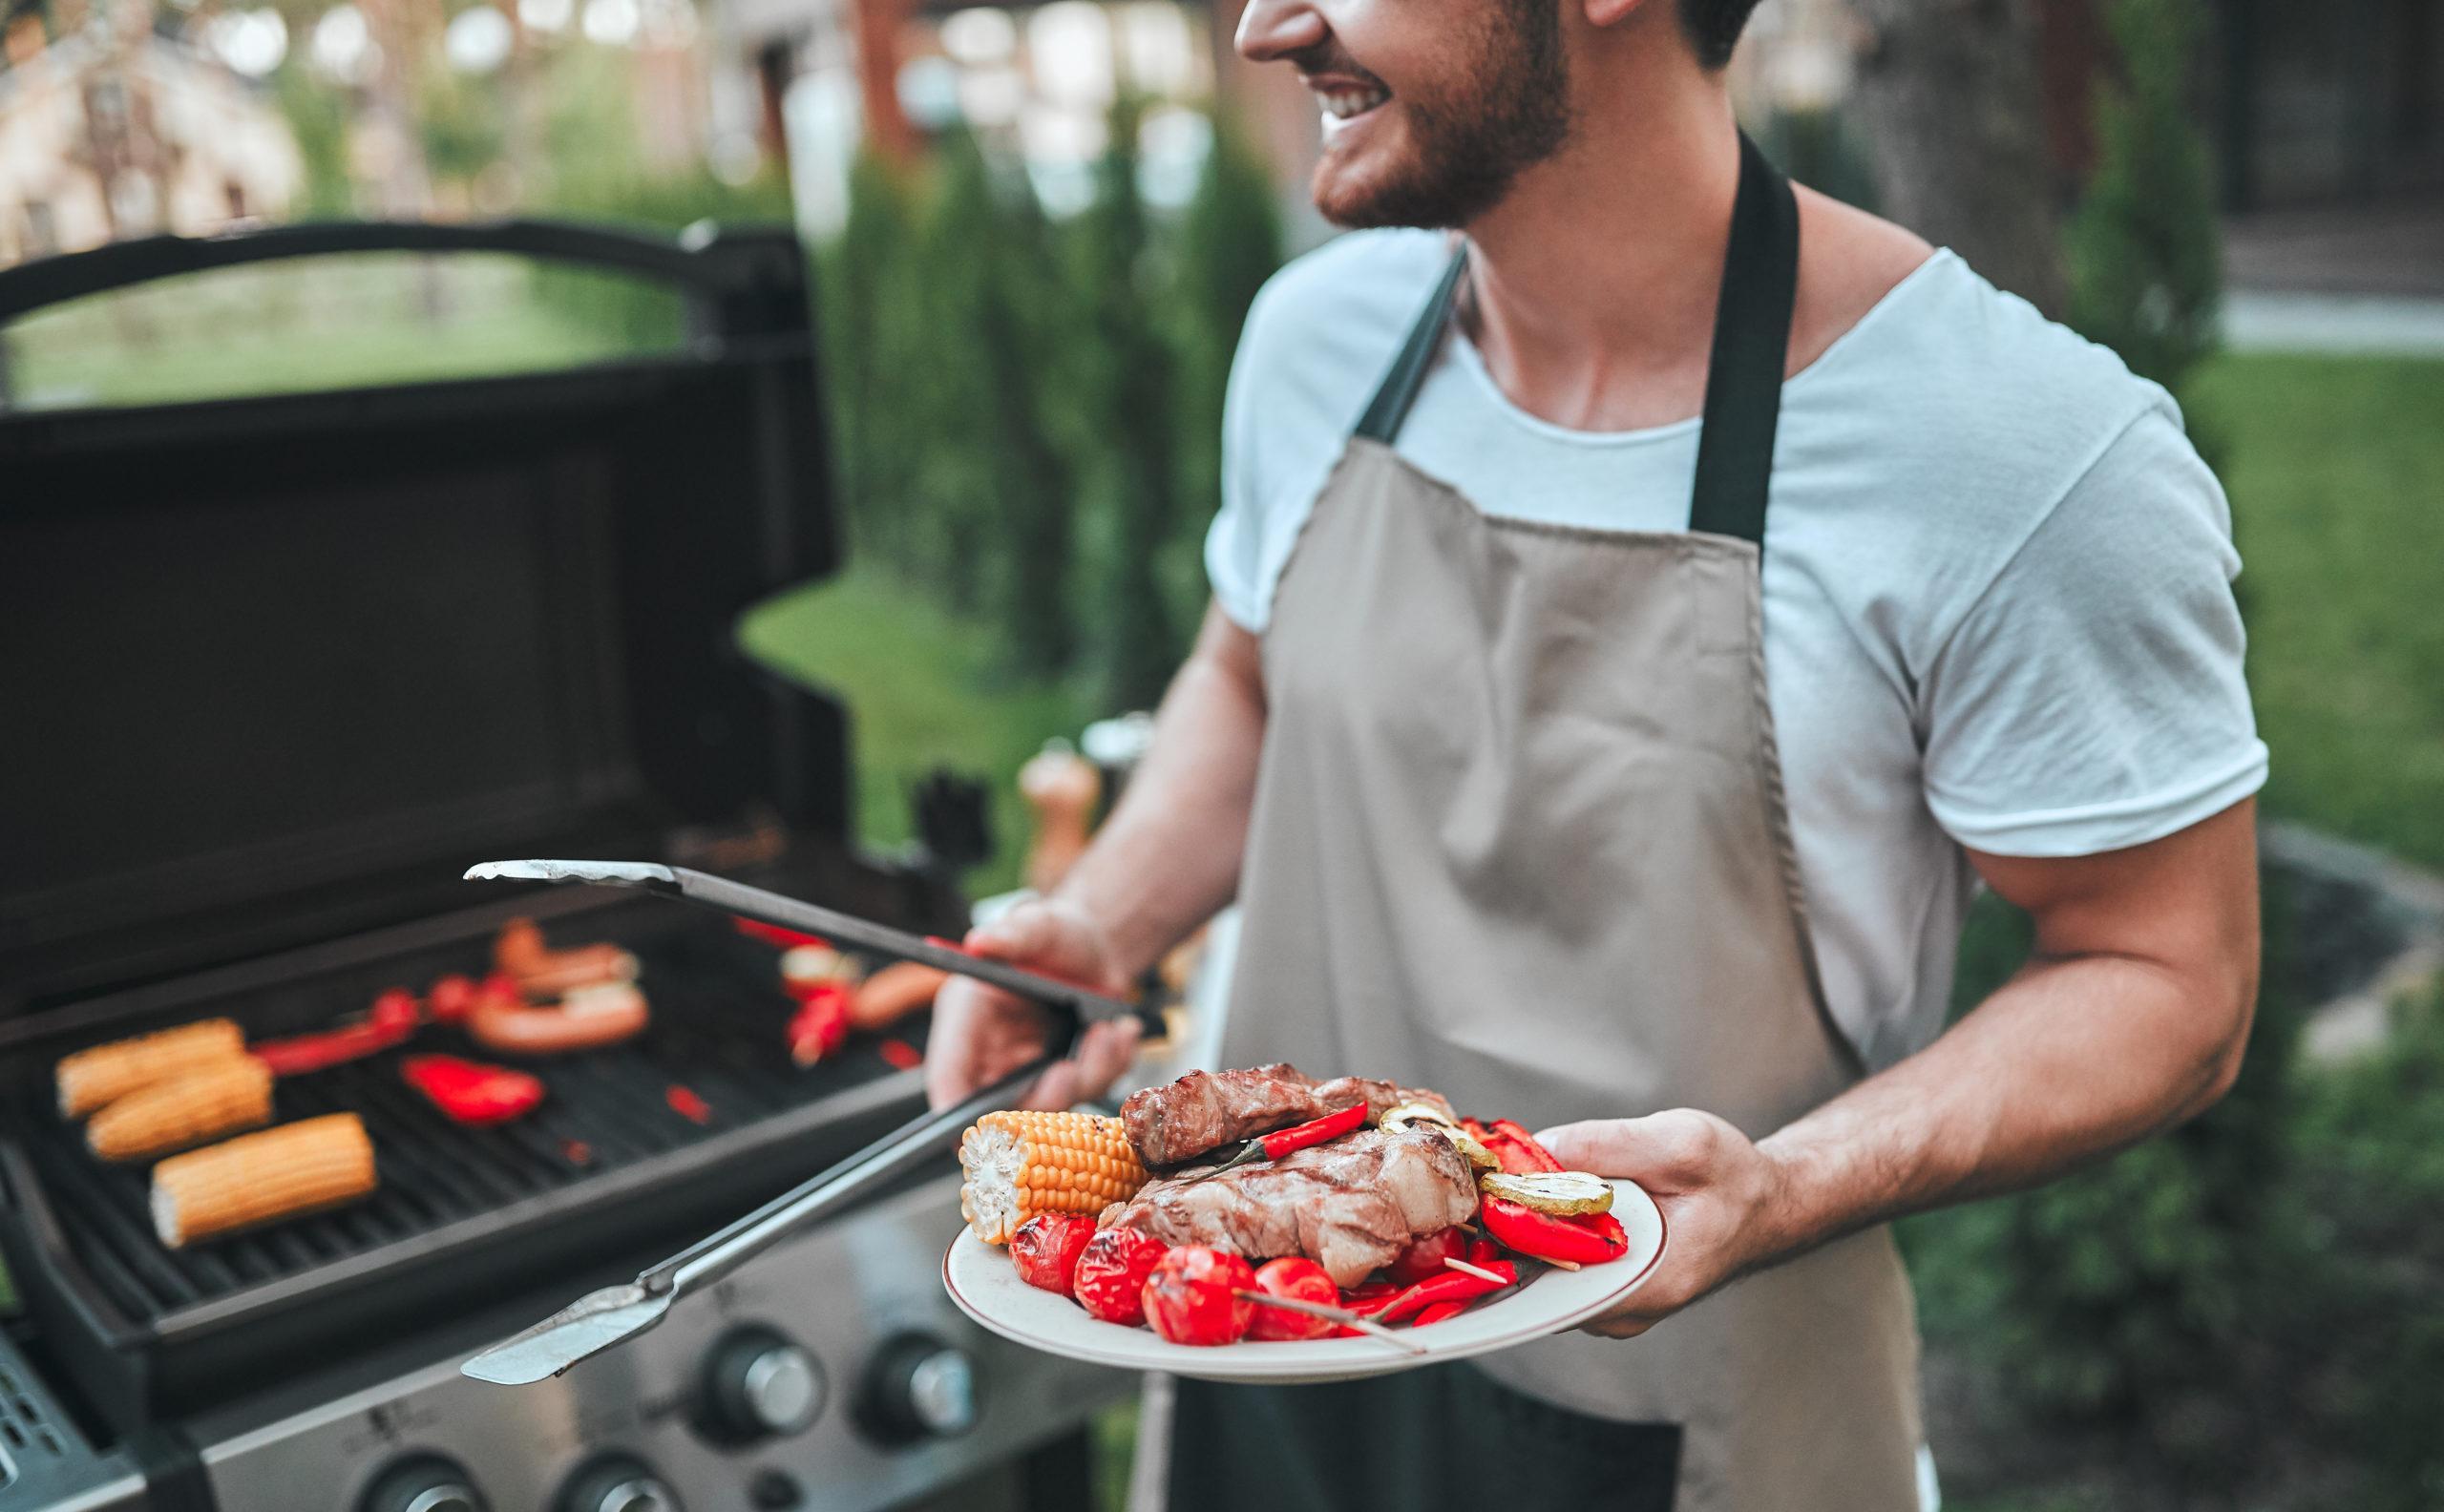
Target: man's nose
{"x":1273,"y":30}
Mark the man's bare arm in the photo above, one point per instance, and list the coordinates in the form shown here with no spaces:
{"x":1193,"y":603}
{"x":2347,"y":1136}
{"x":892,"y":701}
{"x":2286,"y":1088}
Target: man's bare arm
{"x":1165,"y":861}
{"x":1168,"y":858}
{"x":2130,"y":1017}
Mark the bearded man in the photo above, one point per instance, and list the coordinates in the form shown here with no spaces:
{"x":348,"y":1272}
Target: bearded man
{"x":1647,"y":602}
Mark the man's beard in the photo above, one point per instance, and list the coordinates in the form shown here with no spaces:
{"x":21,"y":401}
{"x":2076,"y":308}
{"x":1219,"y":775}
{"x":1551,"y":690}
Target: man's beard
{"x":1467,"y":145}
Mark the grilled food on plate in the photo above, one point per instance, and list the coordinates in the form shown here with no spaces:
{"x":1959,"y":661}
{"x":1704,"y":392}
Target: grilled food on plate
{"x":1370,"y":1204}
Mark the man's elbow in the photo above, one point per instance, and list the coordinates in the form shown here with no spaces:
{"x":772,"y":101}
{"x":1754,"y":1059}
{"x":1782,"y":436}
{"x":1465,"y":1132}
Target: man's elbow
{"x":2226,"y":1011}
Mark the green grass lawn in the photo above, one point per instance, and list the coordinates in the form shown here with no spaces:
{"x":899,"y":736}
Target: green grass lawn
{"x":923,"y":690}
{"x":2335,"y":468}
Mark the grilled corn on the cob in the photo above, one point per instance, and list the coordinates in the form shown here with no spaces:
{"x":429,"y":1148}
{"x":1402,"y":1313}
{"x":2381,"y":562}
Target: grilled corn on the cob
{"x":92,"y":1078}
{"x":219,"y":1098}
{"x":1018,"y":1164}
{"x":279,"y":1173}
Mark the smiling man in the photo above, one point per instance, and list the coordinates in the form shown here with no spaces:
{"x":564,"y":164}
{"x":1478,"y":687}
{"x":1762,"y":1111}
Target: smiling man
{"x":1648,"y":601}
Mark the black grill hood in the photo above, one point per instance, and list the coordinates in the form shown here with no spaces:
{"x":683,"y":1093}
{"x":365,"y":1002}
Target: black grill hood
{"x":274,"y":670}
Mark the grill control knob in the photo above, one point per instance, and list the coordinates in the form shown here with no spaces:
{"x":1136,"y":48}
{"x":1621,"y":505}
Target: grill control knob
{"x":423,"y":1484}
{"x":618,"y":1483}
{"x":920,"y":1387}
{"x":759,"y":1385}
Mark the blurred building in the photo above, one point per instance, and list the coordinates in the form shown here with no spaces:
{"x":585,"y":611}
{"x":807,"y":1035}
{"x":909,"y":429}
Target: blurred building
{"x":113,"y":131}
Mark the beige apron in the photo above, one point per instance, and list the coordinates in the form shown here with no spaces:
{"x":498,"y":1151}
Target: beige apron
{"x":1519,"y":836}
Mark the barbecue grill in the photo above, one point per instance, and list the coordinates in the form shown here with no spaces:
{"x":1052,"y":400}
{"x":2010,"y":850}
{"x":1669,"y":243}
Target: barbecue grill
{"x":278,"y":669}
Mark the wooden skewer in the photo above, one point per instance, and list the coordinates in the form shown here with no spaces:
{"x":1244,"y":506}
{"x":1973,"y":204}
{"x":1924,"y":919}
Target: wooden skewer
{"x":1341,"y":1316}
{"x":1477,"y":1270}
{"x":1560,"y":1265}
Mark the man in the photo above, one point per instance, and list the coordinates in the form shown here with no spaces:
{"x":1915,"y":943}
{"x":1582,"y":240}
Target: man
{"x":1555,"y":769}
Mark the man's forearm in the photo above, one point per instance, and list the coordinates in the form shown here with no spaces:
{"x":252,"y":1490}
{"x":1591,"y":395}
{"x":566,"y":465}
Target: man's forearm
{"x":2072,"y":1060}
{"x":1169,"y":857}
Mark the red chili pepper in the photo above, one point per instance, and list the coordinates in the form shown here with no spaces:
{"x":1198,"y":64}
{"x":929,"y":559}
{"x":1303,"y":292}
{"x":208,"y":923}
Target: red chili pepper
{"x":821,"y":1023}
{"x":685,"y":1103}
{"x":1366,"y":1290}
{"x":1438,"y":1311}
{"x":1308,"y":1135}
{"x":1481,"y":1249}
{"x":394,"y":1016}
{"x":1589,"y":1240}
{"x":774,"y":935}
{"x":470,"y":1092}
{"x":1457,"y":1286}
{"x":900,"y":1054}
{"x":1526,"y":1144}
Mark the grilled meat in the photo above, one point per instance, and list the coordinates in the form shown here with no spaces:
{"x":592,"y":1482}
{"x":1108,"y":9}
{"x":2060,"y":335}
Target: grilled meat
{"x":1350,"y":1206}
{"x":1204,"y":1110}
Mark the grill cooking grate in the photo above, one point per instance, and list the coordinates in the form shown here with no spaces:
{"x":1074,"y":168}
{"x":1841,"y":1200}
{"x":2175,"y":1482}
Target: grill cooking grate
{"x":718,"y":1020}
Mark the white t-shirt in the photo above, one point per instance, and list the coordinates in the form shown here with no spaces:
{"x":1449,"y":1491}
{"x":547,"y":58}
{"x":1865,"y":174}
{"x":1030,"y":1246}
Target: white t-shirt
{"x":1997,"y":584}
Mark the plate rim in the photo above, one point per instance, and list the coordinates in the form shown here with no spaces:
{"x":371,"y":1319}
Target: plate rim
{"x":1252,"y":1371}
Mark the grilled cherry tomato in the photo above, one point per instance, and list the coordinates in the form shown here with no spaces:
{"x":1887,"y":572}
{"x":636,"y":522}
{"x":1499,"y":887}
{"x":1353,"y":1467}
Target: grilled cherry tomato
{"x":1111,"y":1274}
{"x":1423,"y":1258}
{"x":1301,"y":1280}
{"x":1193,"y":1296}
{"x":1046,"y":1248}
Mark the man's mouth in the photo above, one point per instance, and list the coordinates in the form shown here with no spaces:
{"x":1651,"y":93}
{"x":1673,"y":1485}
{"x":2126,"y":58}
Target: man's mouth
{"x":1344,"y":99}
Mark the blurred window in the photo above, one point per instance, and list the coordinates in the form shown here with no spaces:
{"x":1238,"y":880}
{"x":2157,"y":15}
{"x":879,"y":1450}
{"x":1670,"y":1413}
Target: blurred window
{"x":314,"y":324}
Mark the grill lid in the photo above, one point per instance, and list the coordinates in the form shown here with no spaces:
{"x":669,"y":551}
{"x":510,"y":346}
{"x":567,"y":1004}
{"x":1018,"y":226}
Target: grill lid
{"x":278,"y":668}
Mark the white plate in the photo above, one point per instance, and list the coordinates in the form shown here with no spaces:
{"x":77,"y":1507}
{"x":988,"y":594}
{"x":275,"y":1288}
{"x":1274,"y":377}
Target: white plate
{"x":984,"y":1282}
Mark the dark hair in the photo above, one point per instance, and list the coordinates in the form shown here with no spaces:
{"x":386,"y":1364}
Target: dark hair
{"x":1714,"y":27}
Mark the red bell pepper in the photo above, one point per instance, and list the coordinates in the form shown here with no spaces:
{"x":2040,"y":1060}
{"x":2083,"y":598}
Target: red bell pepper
{"x":1518,"y":1150}
{"x":471,"y":1092}
{"x":1589,"y":1239}
{"x":394,"y":1016}
{"x":821,"y":1023}
{"x":1423,"y":1259}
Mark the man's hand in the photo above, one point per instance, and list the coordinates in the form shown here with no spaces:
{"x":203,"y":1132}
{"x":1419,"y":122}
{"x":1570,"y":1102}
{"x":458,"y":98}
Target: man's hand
{"x":981,"y":1034}
{"x":1720,"y":1195}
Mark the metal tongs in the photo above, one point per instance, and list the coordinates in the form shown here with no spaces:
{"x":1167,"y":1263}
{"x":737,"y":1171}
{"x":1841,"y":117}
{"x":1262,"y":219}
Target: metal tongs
{"x":614,"y":1315}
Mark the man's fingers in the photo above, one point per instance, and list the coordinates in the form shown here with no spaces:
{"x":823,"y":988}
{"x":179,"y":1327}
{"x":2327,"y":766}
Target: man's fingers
{"x":1659,"y":1152}
{"x":1105,"y":1052}
{"x":1014,"y":935}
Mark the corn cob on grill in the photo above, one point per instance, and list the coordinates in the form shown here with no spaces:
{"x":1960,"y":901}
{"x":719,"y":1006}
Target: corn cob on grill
{"x":1018,"y":1164}
{"x":90,"y":1078}
{"x":282,"y":1172}
{"x":222,"y":1097}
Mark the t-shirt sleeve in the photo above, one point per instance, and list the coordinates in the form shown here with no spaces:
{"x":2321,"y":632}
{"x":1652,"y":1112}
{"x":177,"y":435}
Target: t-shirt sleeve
{"x":1235,"y":543}
{"x":2092,"y":698}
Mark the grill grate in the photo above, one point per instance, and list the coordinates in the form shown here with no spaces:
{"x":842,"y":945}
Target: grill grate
{"x":717,"y":1030}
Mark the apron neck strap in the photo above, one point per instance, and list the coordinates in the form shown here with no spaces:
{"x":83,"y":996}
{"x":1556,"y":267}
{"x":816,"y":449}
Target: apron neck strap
{"x":1743,"y":378}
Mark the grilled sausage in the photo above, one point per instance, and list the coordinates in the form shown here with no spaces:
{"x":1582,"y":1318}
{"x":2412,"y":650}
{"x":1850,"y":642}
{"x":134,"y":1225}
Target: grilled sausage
{"x":586,"y":1019}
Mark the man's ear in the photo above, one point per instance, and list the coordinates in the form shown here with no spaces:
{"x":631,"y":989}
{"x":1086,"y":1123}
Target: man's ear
{"x":1613,"y":12}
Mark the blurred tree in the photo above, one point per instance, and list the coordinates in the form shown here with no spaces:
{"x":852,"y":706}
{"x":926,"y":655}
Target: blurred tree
{"x":1948,"y":92}
{"x":318,"y":117}
{"x":955,"y":471}
{"x":1229,"y":243}
{"x":2145,"y":253}
{"x":868,"y":294}
{"x":1134,"y":491}
{"x":1021,"y":346}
